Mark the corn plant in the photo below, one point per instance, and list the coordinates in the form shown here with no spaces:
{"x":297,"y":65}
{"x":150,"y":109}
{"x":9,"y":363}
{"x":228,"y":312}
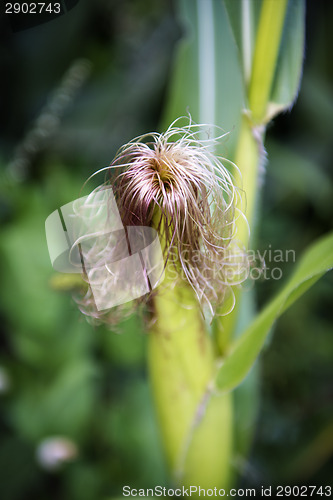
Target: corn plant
{"x":237,"y":66}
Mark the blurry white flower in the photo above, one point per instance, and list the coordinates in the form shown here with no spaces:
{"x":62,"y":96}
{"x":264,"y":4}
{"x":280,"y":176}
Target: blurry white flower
{"x":52,"y":452}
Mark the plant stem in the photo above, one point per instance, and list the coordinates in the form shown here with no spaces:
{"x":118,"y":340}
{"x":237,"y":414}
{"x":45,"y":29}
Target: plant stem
{"x":195,"y":425}
{"x":249,"y":153}
{"x":265,"y":56}
{"x":180,"y":359}
{"x":250,"y":150}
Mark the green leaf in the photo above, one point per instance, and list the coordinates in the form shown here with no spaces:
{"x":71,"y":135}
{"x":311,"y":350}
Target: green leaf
{"x":289,"y":66}
{"x":207,"y":79}
{"x":244,"y":19}
{"x":316,"y":261}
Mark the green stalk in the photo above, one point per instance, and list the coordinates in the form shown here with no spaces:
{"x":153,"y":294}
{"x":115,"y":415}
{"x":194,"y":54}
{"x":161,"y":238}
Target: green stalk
{"x":196,"y":424}
{"x":267,"y":46}
{"x":248,"y":154}
{"x":181,"y":367}
{"x":250,"y":149}
{"x":180,"y":363}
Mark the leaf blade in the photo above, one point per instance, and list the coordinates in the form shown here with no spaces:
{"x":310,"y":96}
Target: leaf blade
{"x":317,"y":260}
{"x":290,"y":61}
{"x":206,"y":80}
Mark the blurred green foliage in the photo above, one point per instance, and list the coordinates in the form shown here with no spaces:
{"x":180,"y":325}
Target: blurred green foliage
{"x":62,"y":377}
